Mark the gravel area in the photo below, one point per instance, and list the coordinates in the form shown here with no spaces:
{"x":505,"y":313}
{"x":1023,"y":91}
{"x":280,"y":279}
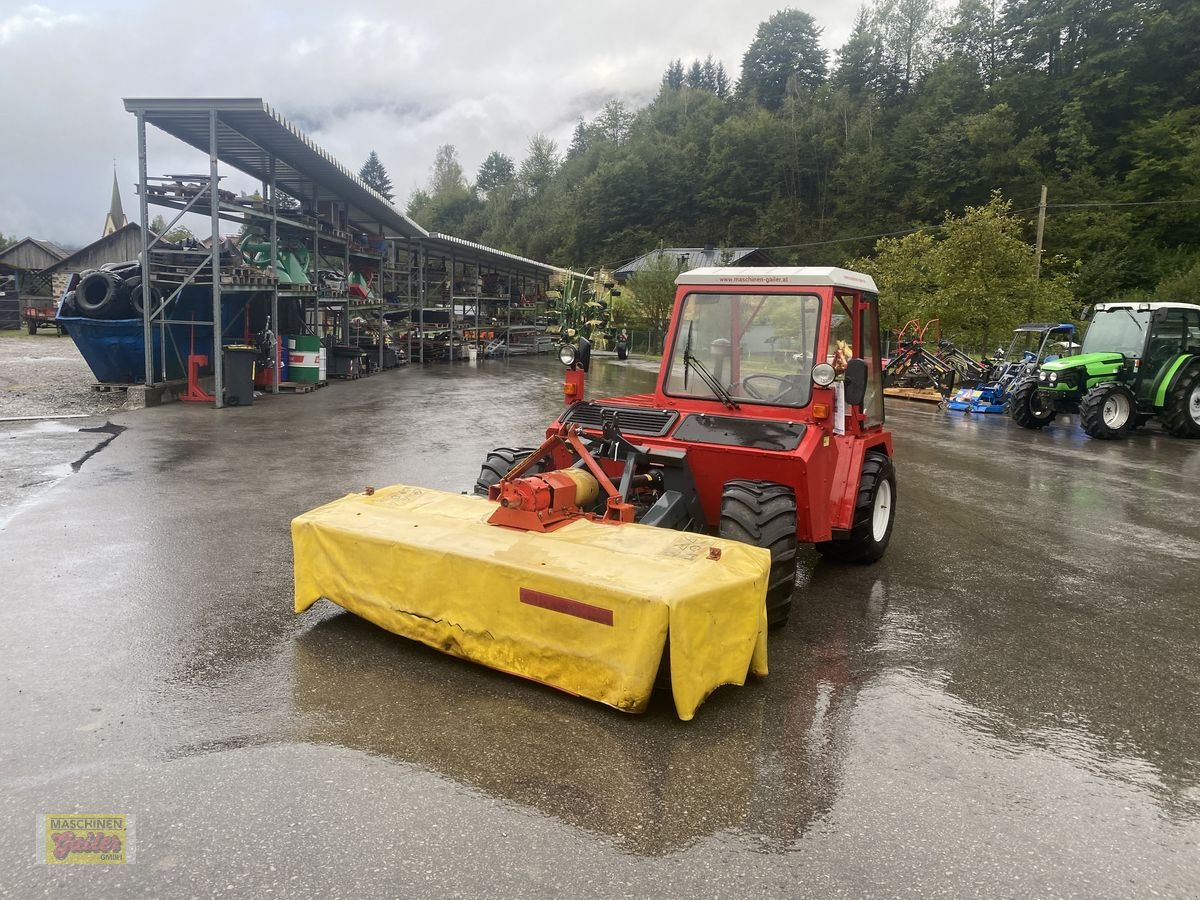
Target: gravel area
{"x":44,"y":375}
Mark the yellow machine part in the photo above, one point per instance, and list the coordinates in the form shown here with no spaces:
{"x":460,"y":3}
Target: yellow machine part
{"x":586,"y":608}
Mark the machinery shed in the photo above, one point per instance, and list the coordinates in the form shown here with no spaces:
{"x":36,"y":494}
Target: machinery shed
{"x":312,"y":258}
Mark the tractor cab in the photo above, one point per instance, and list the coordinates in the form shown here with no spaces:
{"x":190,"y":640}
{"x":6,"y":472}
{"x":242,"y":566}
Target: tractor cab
{"x":774,"y":343}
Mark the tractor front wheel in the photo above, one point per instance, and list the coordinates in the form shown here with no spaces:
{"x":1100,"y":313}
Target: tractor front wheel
{"x":1181,"y":414}
{"x":1107,"y":412}
{"x":1027,"y":408}
{"x":874,"y":514}
{"x":763,"y":513}
{"x":499,"y":463}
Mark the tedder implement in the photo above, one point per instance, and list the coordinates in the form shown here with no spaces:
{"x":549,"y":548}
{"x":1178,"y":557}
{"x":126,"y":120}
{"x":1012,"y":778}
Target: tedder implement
{"x":1139,"y":361}
{"x":648,"y":537}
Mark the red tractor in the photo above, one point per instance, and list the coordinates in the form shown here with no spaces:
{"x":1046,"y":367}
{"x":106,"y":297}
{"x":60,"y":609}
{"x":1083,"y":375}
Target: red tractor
{"x":765,"y":427}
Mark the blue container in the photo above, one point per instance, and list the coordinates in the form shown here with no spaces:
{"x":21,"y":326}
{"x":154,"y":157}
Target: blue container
{"x":114,"y":349}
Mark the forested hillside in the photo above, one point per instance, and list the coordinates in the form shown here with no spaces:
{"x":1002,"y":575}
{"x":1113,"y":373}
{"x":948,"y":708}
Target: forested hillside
{"x":925,"y":110}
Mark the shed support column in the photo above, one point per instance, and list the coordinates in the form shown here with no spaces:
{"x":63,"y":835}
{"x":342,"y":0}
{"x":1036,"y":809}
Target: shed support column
{"x":451,"y":306}
{"x":144,"y":203}
{"x":382,"y":298}
{"x":421,"y":295}
{"x":218,"y":366}
{"x":346,"y":304}
{"x":280,"y":352}
{"x":409,"y":265}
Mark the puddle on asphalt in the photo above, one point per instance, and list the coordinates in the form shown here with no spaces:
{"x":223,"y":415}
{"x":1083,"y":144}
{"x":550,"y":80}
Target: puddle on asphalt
{"x":31,"y":485}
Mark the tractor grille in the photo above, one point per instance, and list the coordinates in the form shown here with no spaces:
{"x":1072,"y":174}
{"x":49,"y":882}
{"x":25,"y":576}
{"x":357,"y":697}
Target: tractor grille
{"x":631,"y":420}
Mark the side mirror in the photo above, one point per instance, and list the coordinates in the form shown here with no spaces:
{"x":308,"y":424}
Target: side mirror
{"x":584,"y":359}
{"x":855,"y":381}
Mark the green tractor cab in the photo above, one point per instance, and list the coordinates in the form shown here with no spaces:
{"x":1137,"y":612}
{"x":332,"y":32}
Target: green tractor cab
{"x":1139,"y":361}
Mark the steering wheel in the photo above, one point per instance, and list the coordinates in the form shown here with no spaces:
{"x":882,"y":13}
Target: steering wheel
{"x":761,"y":393}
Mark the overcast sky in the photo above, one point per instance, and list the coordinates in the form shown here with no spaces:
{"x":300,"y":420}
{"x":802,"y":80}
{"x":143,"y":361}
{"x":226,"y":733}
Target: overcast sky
{"x":400,"y":78}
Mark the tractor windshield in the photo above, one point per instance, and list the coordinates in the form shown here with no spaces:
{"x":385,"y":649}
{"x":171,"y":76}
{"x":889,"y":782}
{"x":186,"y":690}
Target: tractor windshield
{"x":1117,"y":330}
{"x":745,"y":348}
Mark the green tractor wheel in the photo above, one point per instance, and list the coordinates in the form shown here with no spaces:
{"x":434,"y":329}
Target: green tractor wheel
{"x":1107,"y":412}
{"x":1027,"y":408}
{"x":1181,"y":413}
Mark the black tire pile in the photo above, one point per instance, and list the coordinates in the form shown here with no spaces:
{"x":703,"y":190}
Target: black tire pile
{"x":114,"y":291}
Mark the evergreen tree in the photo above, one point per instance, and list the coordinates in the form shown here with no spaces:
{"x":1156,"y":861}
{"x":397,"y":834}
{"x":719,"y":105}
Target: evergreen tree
{"x":495,"y":171}
{"x":374,"y":175}
{"x":786,"y":56}
{"x":580,"y":140}
{"x":673,"y":78}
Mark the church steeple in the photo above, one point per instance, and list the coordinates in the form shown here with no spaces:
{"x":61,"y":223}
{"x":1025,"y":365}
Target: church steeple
{"x":116,"y":214}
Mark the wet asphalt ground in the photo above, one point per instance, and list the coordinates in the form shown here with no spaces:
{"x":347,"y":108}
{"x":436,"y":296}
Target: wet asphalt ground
{"x":1006,"y":705}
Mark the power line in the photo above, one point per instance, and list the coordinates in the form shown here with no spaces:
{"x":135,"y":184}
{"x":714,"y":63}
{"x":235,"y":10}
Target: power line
{"x":907,"y":231}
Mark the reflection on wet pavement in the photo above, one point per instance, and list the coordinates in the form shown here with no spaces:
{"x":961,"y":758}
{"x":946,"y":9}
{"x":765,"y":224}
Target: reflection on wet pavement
{"x":1006,"y":704}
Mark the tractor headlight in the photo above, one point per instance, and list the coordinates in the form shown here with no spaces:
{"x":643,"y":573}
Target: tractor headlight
{"x":1043,"y":376}
{"x":566,"y":355}
{"x":1053,"y":377}
{"x":823,"y":374}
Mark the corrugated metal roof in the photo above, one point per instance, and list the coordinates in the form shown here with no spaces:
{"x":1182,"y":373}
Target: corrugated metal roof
{"x":480,"y":253}
{"x":250,"y":132}
{"x":688,"y":258}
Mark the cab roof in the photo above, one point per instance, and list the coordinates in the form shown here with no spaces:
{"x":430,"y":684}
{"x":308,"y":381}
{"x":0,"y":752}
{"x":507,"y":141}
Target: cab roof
{"x":803,"y":276}
{"x":1136,"y":305}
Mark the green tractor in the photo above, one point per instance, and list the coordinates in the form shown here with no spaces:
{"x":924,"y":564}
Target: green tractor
{"x":1139,"y":361}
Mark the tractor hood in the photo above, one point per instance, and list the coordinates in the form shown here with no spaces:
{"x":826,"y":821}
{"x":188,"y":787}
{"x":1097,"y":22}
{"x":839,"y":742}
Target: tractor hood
{"x":1083,"y":360}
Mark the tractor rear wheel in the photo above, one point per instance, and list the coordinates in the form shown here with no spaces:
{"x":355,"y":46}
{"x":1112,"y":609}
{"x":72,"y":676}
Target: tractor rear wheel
{"x":763,"y":513}
{"x":499,"y":463}
{"x":1107,"y":412}
{"x":1027,"y":408}
{"x":874,"y":514}
{"x":1181,"y":414}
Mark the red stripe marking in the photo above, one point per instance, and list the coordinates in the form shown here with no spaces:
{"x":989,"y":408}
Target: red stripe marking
{"x":570,"y":607}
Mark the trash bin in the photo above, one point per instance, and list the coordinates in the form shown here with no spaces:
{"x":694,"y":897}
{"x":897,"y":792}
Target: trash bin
{"x":239,"y":375}
{"x":346,"y":361}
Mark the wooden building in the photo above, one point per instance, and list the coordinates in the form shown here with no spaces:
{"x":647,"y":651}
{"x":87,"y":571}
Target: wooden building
{"x":119,"y":246}
{"x":22,"y":277}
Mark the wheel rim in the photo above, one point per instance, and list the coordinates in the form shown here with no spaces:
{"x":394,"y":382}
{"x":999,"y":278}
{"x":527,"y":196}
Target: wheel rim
{"x":1116,"y":411}
{"x":882,"y":513}
{"x":1194,"y":404}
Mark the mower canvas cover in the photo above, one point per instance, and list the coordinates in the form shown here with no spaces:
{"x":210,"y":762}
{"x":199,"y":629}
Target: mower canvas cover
{"x":589,"y":608}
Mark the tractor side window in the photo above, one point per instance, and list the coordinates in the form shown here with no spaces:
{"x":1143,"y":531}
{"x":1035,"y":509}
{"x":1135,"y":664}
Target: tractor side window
{"x":1166,"y":340}
{"x":841,"y":333}
{"x":1191,"y":336}
{"x":869,"y":329}
{"x":754,"y":348}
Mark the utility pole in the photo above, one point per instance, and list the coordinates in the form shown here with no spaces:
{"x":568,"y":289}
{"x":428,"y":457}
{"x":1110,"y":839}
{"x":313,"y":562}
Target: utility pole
{"x":1041,"y":227}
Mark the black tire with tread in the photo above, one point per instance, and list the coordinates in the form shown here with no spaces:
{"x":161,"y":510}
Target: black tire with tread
{"x":1176,"y":417}
{"x":99,"y":294}
{"x":135,"y":295}
{"x":1020,"y":409}
{"x":861,"y":546}
{"x":499,"y":463}
{"x":763,"y":513}
{"x":1091,"y":412}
